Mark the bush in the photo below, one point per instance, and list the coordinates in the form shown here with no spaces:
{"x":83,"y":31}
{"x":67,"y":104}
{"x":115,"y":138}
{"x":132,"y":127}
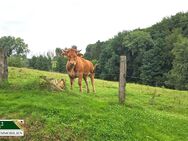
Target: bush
{"x":18,"y":61}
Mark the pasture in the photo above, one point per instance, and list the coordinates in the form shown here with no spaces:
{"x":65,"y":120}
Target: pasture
{"x":149,"y":113}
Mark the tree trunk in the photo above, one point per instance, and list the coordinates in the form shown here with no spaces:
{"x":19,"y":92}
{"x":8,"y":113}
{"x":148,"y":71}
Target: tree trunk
{"x":3,"y":65}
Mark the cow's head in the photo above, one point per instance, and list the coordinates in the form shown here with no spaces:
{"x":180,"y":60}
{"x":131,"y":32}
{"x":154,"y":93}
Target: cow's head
{"x":71,"y":55}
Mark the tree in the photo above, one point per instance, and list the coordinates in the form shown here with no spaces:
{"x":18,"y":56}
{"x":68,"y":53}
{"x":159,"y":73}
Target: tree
{"x":151,"y":72}
{"x":170,"y":41}
{"x":178,"y":76}
{"x":10,"y":45}
{"x":58,"y":51}
{"x":93,"y":51}
{"x":41,"y":63}
{"x":14,"y":45}
{"x":18,"y":61}
{"x":61,"y":64}
{"x":136,"y":43}
{"x":32,"y":62}
{"x":106,"y":54}
{"x":151,"y":58}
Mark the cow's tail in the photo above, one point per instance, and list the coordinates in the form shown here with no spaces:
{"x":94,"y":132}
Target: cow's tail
{"x":94,"y":68}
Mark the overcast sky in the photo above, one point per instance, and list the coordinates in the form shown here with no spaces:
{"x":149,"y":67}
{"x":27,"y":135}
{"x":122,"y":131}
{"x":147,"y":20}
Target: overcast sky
{"x":47,"y":24}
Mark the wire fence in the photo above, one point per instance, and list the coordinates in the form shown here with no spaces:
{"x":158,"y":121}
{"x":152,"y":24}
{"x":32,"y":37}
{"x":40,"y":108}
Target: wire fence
{"x":23,"y":76}
{"x":111,"y":77}
{"x":129,"y":78}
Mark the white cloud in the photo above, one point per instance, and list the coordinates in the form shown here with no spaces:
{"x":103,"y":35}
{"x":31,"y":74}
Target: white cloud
{"x":47,"y":24}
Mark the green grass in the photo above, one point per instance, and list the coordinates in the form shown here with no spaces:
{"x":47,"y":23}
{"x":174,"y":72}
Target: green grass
{"x":150,"y":113}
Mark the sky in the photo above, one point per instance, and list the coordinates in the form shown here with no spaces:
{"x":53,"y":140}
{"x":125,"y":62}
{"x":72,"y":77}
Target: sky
{"x":47,"y":24}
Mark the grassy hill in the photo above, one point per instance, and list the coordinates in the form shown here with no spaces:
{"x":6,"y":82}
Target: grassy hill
{"x":149,"y":113}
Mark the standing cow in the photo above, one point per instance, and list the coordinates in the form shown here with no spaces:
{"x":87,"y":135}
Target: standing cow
{"x":79,"y":67}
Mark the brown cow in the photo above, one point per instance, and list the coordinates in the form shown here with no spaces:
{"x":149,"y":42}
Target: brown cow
{"x":79,"y":67}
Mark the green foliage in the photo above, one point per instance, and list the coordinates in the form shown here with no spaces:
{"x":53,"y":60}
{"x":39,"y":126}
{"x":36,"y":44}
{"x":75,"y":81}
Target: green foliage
{"x":94,"y":61}
{"x":14,"y":45}
{"x":40,"y":62}
{"x":49,"y":63}
{"x":18,"y":61}
{"x":137,"y":43}
{"x":58,"y":52}
{"x":151,"y":67}
{"x":93,"y":50}
{"x":150,"y":53}
{"x":178,"y":76}
{"x":150,"y":113}
{"x":60,"y":64}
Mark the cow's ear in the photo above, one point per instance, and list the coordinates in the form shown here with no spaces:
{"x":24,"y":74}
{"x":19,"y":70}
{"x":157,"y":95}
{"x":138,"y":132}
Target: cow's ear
{"x":78,"y":51}
{"x":64,"y":52}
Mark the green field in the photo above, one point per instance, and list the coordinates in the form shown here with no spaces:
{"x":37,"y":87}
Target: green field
{"x":150,"y":113}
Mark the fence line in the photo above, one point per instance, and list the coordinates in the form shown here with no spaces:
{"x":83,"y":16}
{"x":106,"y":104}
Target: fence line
{"x":127,"y":76}
{"x":141,"y":80}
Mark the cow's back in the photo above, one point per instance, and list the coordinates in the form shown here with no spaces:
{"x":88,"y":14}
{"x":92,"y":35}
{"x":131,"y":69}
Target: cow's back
{"x":84,"y":65}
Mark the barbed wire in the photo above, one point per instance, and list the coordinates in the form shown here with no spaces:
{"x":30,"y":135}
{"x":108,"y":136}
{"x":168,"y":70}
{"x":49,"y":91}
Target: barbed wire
{"x":127,"y":76}
{"x":102,"y":74}
{"x":138,"y":79}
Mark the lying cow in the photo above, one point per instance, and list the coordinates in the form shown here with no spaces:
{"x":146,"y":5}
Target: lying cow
{"x":79,"y":67}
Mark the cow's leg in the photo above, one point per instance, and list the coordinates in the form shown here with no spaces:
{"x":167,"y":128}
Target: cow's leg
{"x":71,"y":81}
{"x":85,"y":78}
{"x":92,"y":81}
{"x":80,"y":81}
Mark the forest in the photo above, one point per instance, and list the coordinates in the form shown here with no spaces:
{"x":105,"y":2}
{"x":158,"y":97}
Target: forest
{"x":156,"y":56}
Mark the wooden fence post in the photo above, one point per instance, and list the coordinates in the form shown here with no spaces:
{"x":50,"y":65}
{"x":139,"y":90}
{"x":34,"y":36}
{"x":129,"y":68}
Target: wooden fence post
{"x":122,"y":79}
{"x":3,"y":65}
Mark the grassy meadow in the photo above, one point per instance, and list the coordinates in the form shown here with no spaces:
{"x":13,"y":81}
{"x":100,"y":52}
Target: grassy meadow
{"x":150,"y":113}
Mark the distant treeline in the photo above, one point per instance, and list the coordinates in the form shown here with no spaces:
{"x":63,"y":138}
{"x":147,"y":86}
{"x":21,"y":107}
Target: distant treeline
{"x":156,"y":56}
{"x":17,"y":50}
{"x":48,"y":62}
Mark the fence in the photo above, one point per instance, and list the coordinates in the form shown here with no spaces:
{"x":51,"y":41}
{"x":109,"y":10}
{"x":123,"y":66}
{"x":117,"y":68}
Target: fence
{"x":3,"y":65}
